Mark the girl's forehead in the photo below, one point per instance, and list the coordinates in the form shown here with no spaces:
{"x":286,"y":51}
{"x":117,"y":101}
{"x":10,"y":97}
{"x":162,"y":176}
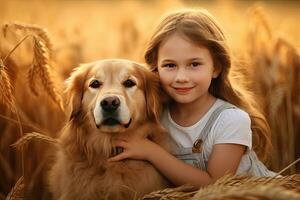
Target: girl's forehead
{"x":177,"y":45}
{"x":177,"y":37}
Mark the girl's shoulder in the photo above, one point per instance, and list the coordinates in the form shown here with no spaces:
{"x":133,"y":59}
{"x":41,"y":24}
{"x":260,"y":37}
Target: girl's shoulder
{"x":232,"y":114}
{"x":229,"y":114}
{"x":233,"y":125}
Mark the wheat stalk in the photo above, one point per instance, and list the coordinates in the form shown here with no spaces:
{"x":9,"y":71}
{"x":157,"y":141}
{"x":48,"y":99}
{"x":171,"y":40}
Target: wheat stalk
{"x":33,"y":29}
{"x":6,"y":89}
{"x":292,"y":57}
{"x":9,"y":100}
{"x":11,"y":120}
{"x":274,"y":71}
{"x":259,"y":33}
{"x":41,"y":54}
{"x":34,"y":136}
{"x":260,"y":19}
{"x":17,"y":192}
{"x":6,"y":167}
{"x":284,"y":58}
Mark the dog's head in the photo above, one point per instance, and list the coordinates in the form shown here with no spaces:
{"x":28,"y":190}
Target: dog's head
{"x":113,"y":94}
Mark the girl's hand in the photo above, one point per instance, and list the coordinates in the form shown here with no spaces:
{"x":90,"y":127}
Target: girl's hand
{"x":139,"y":149}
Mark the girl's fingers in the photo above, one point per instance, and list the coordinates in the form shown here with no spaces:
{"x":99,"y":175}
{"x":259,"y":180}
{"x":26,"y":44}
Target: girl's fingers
{"x":120,"y":143}
{"x":118,"y":157}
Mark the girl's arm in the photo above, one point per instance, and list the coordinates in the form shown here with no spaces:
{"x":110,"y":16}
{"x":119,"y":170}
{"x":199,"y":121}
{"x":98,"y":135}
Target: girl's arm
{"x":225,"y":158}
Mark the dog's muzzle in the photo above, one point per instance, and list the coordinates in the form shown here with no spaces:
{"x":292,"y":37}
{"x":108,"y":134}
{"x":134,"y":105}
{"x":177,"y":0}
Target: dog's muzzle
{"x":112,"y":122}
{"x":110,"y":109}
{"x":110,"y":104}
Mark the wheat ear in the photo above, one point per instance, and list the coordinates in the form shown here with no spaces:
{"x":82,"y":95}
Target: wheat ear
{"x":17,"y":192}
{"x":182,"y":192}
{"x":6,"y":89}
{"x":34,"y":136}
{"x":41,"y":68}
{"x":32,"y":29}
{"x":42,"y":49}
{"x":245,"y":192}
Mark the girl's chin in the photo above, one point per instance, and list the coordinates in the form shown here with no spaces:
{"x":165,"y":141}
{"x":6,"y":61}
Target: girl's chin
{"x":183,"y":99}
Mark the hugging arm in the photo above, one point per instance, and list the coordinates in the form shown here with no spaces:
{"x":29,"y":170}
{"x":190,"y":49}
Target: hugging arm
{"x":225,"y":158}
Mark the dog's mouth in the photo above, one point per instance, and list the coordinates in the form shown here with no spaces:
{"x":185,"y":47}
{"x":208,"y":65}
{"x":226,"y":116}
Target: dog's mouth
{"x":113,"y":122}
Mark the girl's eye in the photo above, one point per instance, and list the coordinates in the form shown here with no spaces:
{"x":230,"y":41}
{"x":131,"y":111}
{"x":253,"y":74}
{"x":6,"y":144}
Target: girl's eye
{"x":95,"y":84}
{"x":195,"y":64}
{"x":169,"y":65}
{"x":129,"y":83}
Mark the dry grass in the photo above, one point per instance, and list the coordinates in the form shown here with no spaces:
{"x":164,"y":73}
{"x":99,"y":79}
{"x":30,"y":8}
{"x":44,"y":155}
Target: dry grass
{"x":236,"y":187}
{"x":35,"y":103}
{"x":182,"y":192}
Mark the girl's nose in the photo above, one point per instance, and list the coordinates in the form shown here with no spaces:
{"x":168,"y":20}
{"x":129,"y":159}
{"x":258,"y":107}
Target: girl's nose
{"x":181,"y":76}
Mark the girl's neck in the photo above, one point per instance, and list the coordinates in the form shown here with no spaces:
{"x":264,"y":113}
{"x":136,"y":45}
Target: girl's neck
{"x":187,"y":114}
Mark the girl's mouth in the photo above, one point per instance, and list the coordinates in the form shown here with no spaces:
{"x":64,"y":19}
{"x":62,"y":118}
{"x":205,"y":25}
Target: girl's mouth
{"x":183,"y":90}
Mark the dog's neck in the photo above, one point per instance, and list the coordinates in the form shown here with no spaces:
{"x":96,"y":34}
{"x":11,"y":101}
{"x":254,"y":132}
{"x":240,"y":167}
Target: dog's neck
{"x":86,"y":144}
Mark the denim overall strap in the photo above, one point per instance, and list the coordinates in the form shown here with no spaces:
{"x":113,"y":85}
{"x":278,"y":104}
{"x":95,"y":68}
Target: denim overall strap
{"x":207,"y":128}
{"x":199,"y":159}
{"x":199,"y":143}
{"x":258,"y":168}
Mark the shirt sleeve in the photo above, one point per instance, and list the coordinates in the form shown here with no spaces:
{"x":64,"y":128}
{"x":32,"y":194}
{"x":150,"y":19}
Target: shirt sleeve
{"x":233,"y":126}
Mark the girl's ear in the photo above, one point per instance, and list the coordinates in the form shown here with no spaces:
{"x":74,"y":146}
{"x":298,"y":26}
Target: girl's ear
{"x":217,"y":71}
{"x":75,"y":90}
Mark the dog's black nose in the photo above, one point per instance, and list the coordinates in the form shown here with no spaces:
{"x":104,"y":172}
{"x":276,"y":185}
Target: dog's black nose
{"x":110,"y":103}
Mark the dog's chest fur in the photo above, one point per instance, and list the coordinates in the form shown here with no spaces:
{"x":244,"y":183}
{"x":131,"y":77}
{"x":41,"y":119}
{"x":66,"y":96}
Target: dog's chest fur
{"x":90,"y":172}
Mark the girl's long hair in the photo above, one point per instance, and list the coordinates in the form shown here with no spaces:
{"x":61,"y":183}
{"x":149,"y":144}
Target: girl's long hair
{"x":200,"y":27}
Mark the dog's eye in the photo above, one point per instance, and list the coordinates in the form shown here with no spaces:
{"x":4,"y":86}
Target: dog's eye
{"x":95,"y":84}
{"x":129,"y":83}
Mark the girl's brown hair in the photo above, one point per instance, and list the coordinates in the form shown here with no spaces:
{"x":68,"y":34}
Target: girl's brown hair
{"x":200,"y":27}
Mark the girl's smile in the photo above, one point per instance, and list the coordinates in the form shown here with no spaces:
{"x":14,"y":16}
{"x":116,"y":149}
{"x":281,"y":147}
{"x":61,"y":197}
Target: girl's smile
{"x":183,"y":90}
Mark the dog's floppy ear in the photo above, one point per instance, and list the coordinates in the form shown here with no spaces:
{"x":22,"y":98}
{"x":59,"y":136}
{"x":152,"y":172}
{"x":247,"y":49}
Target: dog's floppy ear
{"x":152,"y":94}
{"x":75,"y":89}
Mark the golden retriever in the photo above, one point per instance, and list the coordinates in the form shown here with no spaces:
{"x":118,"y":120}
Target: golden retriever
{"x":109,"y":98}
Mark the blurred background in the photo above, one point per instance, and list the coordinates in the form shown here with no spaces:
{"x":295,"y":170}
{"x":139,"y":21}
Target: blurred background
{"x":263,"y":36}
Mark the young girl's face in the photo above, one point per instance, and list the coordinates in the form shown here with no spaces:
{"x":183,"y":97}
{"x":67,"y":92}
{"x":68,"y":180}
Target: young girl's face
{"x":185,"y":69}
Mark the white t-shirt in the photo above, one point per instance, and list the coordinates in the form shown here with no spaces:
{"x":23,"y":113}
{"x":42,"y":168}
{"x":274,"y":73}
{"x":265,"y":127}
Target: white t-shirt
{"x":232,"y":126}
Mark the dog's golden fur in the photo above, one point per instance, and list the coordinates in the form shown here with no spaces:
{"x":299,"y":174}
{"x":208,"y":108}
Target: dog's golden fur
{"x":81,"y":170}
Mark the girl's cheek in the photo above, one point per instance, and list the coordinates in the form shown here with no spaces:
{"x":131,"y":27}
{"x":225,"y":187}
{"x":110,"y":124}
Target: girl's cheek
{"x":163,"y":81}
{"x":165,"y":78}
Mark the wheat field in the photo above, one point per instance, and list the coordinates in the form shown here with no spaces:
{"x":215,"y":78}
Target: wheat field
{"x":42,"y":41}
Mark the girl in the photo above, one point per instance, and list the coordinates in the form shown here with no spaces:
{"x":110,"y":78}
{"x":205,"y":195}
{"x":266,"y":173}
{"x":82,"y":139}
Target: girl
{"x":210,"y":121}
